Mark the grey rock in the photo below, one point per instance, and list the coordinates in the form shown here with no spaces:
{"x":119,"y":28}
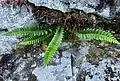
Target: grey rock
{"x":106,"y":69}
{"x":11,"y":18}
{"x":73,"y":65}
{"x":60,"y":72}
{"x":106,"y":8}
{"x":7,"y":44}
{"x":17,"y":67}
{"x":55,"y":4}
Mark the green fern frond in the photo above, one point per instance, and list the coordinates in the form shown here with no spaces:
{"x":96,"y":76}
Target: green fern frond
{"x":53,"y":45}
{"x":34,"y":40}
{"x":97,"y":34}
{"x":32,"y":31}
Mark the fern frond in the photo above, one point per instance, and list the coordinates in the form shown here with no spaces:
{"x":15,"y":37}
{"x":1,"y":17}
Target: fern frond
{"x":53,"y":45}
{"x":32,"y":31}
{"x":97,"y":34}
{"x":34,"y":40}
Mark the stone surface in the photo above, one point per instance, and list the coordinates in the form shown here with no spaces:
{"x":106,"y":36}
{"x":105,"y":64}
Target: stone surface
{"x":101,"y":66}
{"x":11,"y":18}
{"x":59,"y":72}
{"x":106,"y":8}
{"x":80,"y":62}
{"x":7,"y":44}
{"x":18,"y":65}
{"x":73,"y":65}
{"x":55,"y":4}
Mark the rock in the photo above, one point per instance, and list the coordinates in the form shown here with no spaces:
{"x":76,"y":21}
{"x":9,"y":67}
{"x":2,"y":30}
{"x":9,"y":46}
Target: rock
{"x":106,"y":69}
{"x":57,"y":4}
{"x":77,"y":62}
{"x":32,"y":77}
{"x":12,"y":2}
{"x":106,"y":8}
{"x":60,"y":72}
{"x":7,"y":44}
{"x":18,"y":66}
{"x":64,"y":68}
{"x":95,"y":55}
{"x":11,"y":18}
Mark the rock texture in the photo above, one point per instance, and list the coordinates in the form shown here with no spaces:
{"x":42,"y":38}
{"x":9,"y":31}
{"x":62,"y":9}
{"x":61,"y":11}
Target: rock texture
{"x":78,"y":63}
{"x":11,"y":18}
{"x":83,"y":61}
{"x":106,"y":8}
{"x":60,"y":72}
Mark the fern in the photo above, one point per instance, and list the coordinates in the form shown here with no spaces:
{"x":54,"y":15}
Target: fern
{"x":37,"y":34}
{"x":32,"y":31}
{"x":34,"y":40}
{"x":97,"y":34}
{"x":53,"y":45}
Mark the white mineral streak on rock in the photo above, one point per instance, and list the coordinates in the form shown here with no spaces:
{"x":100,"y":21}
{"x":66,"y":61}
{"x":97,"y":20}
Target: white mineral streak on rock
{"x":12,"y":18}
{"x":56,"y":73}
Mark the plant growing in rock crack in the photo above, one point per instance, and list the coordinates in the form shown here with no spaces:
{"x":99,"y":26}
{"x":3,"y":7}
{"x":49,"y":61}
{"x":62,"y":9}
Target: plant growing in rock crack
{"x":54,"y":35}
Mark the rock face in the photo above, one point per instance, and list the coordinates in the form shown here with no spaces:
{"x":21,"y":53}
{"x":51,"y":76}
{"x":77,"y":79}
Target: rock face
{"x":80,"y":62}
{"x":12,"y":2}
{"x":78,"y":19}
{"x":97,"y":64}
{"x":60,"y":72}
{"x":11,"y":18}
{"x":106,"y":8}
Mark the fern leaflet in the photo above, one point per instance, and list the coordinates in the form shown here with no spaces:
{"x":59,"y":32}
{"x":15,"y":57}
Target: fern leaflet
{"x":97,"y":34}
{"x":32,"y":31}
{"x":53,"y":45}
{"x":34,"y":40}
